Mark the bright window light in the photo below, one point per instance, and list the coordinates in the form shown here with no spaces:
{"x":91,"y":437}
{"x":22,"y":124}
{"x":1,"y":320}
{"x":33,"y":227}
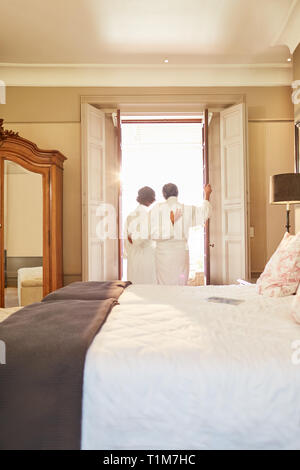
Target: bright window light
{"x":156,"y":154}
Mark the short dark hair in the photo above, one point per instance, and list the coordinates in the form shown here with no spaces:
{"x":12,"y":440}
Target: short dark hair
{"x":146,"y":195}
{"x":169,"y":190}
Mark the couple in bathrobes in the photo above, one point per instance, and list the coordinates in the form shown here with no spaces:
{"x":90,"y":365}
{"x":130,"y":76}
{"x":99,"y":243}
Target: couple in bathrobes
{"x":156,"y":239}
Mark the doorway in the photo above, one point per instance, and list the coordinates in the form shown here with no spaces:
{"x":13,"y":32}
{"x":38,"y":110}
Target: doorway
{"x":224,"y":145}
{"x":157,"y":150}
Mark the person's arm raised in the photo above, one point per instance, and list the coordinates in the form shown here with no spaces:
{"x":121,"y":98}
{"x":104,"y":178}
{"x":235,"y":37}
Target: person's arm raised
{"x":202,"y":213}
{"x":207,"y":192}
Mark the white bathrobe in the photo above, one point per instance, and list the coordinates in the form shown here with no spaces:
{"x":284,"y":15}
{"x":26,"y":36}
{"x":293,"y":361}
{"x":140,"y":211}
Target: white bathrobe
{"x":140,"y":254}
{"x":172,"y":255}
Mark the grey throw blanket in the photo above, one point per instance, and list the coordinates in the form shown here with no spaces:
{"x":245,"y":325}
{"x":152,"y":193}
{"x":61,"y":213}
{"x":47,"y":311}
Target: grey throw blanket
{"x":92,"y":290}
{"x":41,"y":384}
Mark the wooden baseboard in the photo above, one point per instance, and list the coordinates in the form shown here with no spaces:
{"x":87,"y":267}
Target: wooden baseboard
{"x":255,"y":276}
{"x":69,"y":278}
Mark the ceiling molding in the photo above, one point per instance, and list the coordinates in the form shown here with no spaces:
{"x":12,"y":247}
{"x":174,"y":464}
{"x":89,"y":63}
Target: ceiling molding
{"x":288,"y":34}
{"x":98,"y":75}
{"x":144,"y":66}
{"x":187,"y":99}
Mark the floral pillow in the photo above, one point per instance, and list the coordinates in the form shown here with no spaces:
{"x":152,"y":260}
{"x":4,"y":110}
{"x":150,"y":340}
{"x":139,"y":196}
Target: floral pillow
{"x":281,"y":275}
{"x":296,"y":306}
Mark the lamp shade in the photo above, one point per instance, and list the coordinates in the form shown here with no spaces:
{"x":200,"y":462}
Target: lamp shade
{"x":285,"y":188}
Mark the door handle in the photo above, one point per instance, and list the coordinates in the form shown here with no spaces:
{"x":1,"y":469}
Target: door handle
{"x":212,"y":245}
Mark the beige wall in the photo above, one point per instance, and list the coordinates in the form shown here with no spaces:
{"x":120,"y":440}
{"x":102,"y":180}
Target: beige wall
{"x":271,"y":150}
{"x":62,"y":104}
{"x":51,"y":118}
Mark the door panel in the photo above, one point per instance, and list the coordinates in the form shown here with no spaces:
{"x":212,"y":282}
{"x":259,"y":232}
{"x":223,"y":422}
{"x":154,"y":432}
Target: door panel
{"x":206,"y":181}
{"x":93,"y":192}
{"x":112,"y":196}
{"x":216,"y":274}
{"x":120,"y":221}
{"x":100,"y":178}
{"x":233,"y":194}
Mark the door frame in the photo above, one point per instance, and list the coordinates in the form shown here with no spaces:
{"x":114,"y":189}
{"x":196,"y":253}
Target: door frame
{"x":147,"y":100}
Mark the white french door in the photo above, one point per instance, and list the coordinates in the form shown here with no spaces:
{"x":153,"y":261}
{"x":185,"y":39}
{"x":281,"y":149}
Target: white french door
{"x":99,"y":201}
{"x":234,"y":181}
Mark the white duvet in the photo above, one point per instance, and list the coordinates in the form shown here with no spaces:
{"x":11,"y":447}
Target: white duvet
{"x":170,"y":370}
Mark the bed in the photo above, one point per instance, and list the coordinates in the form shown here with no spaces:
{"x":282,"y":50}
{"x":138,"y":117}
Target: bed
{"x":170,"y":370}
{"x":163,"y":369}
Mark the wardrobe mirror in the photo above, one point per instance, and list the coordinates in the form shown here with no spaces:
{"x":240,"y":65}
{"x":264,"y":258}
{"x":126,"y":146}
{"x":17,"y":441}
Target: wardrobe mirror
{"x":23,"y":235}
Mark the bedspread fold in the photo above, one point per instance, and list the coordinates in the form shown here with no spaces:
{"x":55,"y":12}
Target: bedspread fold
{"x":91,"y":290}
{"x":41,"y":383}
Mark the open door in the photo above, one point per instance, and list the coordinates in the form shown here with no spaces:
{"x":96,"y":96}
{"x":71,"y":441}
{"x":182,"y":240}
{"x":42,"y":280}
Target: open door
{"x":112,"y":175}
{"x":93,"y":191}
{"x":206,"y":181}
{"x":234,"y":193}
{"x":120,"y":221}
{"x":215,"y":223}
{"x":99,"y":199}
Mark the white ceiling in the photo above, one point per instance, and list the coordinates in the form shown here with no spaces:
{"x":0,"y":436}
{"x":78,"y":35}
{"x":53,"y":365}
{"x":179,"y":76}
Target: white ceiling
{"x":144,"y":31}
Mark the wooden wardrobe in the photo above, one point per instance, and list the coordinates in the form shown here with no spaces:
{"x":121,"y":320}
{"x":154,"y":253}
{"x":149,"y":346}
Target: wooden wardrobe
{"x":49,"y":164}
